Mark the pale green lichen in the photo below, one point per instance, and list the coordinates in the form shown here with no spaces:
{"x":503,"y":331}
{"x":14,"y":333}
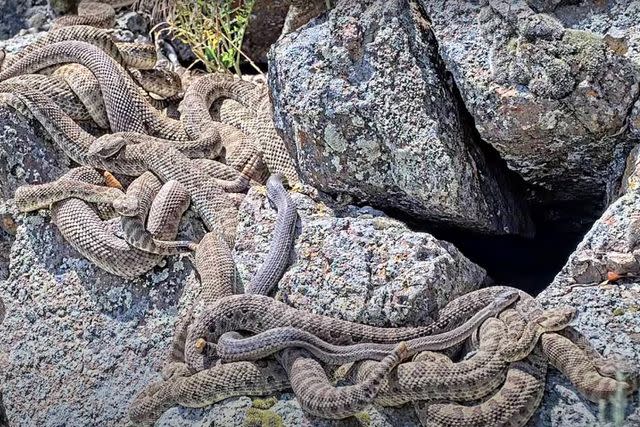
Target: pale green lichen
{"x":262,"y":418}
{"x":263,"y":403}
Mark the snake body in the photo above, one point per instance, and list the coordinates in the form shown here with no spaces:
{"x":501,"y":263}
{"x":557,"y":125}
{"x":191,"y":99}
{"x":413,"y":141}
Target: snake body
{"x":127,"y":109}
{"x":172,"y":199}
{"x":204,"y":91}
{"x":81,"y":226}
{"x":134,"y":55}
{"x":95,"y":13}
{"x":277,"y":259}
{"x":319,"y":397}
{"x":257,"y":313}
{"x":232,"y":347}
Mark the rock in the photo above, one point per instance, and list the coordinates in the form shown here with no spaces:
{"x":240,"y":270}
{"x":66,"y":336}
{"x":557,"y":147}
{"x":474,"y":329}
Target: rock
{"x":14,"y":15}
{"x":607,"y":314}
{"x":27,"y":154}
{"x":365,"y":107}
{"x":357,"y":265}
{"x":78,"y":343}
{"x":552,"y":101}
{"x":135,"y":22}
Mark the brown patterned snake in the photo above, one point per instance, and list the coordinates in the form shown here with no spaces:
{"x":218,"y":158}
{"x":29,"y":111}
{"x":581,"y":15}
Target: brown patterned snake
{"x":81,"y":226}
{"x":232,"y":347}
{"x":96,"y":13}
{"x":134,"y":55}
{"x":202,"y":93}
{"x":218,"y":382}
{"x":257,"y":313}
{"x":475,"y":378}
{"x":127,"y":109}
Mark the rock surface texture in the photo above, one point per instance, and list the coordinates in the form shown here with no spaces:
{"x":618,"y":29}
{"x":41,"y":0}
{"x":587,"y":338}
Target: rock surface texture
{"x":19,"y":14}
{"x":367,"y":111}
{"x":551,"y":91}
{"x":79,"y":343}
{"x":608,"y":315}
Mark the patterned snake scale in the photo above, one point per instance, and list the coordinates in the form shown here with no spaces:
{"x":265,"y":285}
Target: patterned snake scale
{"x":81,"y":226}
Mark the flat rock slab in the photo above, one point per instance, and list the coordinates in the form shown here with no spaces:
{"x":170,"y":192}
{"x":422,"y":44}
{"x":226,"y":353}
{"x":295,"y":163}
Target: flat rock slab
{"x":366,"y":109}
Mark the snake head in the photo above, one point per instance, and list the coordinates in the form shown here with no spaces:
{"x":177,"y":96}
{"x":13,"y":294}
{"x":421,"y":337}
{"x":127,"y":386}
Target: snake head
{"x":126,"y":206}
{"x":556,"y":319}
{"x":107,"y":146}
{"x":503,"y":300}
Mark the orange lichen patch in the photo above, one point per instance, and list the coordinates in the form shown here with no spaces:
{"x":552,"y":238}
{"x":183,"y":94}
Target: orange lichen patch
{"x":201,"y":343}
{"x":612,"y":276}
{"x":112,"y":181}
{"x":504,"y":92}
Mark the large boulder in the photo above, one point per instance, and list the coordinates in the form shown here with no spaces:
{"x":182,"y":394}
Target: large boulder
{"x":357,"y":264}
{"x":366,"y":108}
{"x":607,"y":311}
{"x":550,"y":91}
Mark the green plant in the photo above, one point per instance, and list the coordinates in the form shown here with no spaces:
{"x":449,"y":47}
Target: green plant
{"x":214,"y":29}
{"x":617,"y":406}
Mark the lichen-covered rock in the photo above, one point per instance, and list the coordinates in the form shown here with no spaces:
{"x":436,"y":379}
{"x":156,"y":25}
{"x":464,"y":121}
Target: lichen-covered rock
{"x":16,"y":14}
{"x":548,"y":91}
{"x":608,"y":314}
{"x":79,"y":343}
{"x":27,"y":154}
{"x":358,"y":265}
{"x":366,"y":109}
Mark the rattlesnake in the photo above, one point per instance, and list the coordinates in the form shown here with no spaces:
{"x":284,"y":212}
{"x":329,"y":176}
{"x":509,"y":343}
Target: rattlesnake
{"x":204,"y":91}
{"x":81,"y":226}
{"x":133,"y":55}
{"x":424,"y":380}
{"x":127,"y":109}
{"x":95,"y":13}
{"x":257,"y":313}
{"x":277,"y":259}
{"x":232,"y":347}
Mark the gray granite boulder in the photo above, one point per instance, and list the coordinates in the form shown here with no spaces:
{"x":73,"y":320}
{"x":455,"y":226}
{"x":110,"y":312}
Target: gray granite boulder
{"x":551,"y":92}
{"x":608,"y":314}
{"x":357,"y":264}
{"x":366,"y":108}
